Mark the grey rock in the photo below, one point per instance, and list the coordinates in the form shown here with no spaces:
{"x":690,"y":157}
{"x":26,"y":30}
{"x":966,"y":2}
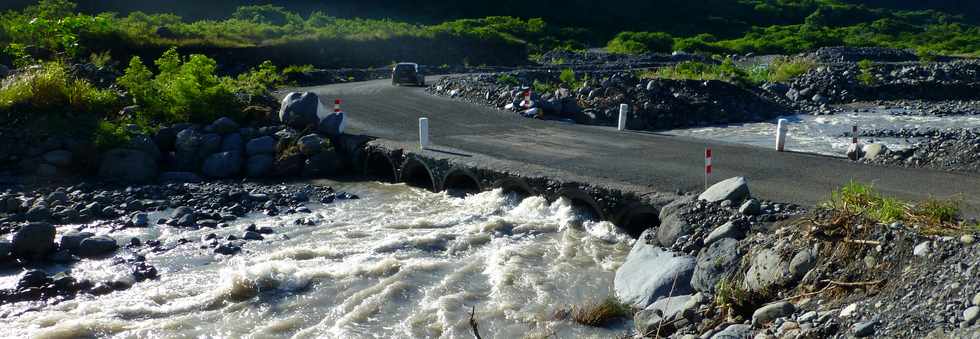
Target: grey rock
{"x":34,"y":240}
{"x":310,"y":144}
{"x":733,"y":189}
{"x":727,"y":230}
{"x":768,"y":313}
{"x":671,"y":228}
{"x":60,"y":158}
{"x":299,"y":110}
{"x":675,"y":206}
{"x":750,"y":207}
{"x":873,"y":151}
{"x":46,"y":170}
{"x":227,"y":249}
{"x":802,"y":263}
{"x":180,"y":177}
{"x":224,"y":125}
{"x":259,"y":166}
{"x":181,"y":211}
{"x":970,"y":315}
{"x":140,"y":220}
{"x":233,"y":143}
{"x":768,"y":270}
{"x":649,"y":273}
{"x":210,"y":144}
{"x":187,"y":145}
{"x":250,"y":235}
{"x":33,"y":279}
{"x":663,"y":310}
{"x":6,"y":251}
{"x":222,"y":165}
{"x":714,"y":263}
{"x":325,"y":164}
{"x":71,"y":240}
{"x":38,"y":213}
{"x":922,"y":249}
{"x":97,"y":246}
{"x":145,"y":144}
{"x":128,"y":166}
{"x":737,"y":331}
{"x":333,"y":124}
{"x":865,"y":329}
{"x":261,"y":145}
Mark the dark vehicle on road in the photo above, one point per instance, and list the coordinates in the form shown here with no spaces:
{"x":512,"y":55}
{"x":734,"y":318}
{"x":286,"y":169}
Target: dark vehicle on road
{"x":407,"y":73}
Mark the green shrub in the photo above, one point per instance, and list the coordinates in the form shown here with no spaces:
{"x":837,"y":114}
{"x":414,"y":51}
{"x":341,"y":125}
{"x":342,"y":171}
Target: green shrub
{"x":508,"y":79}
{"x":101,"y":60}
{"x":694,"y":70}
{"x":932,"y":215}
{"x":187,"y":89}
{"x":568,"y":79}
{"x":641,"y":42}
{"x":785,"y":69}
{"x":298,"y":69}
{"x":52,"y":89}
{"x":110,"y":134}
{"x":866,"y":77}
{"x":542,"y":87}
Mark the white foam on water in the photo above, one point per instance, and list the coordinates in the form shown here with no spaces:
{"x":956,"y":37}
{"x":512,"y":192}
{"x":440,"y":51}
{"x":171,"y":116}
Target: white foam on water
{"x":400,"y":262}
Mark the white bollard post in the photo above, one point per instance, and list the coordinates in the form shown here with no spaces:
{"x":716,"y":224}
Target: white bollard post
{"x":781,"y":130}
{"x":423,"y":133}
{"x":623,"y":111}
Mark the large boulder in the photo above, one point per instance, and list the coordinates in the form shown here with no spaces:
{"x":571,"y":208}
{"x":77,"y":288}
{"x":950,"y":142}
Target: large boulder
{"x":127,"y":165}
{"x":734,"y":189}
{"x":769,"y":313}
{"x":768,"y":270}
{"x":648,"y":274}
{"x":145,"y":144}
{"x":222,"y":165}
{"x":60,"y":158}
{"x":715,"y":262}
{"x":323,"y":165}
{"x":233,"y":143}
{"x":6,"y":251}
{"x":671,"y":228}
{"x":299,"y":110}
{"x":71,"y":240}
{"x":258,"y":166}
{"x":210,"y":144}
{"x":187,"y":144}
{"x":34,"y":240}
{"x":224,"y":126}
{"x":333,"y":124}
{"x":261,"y":145}
{"x":310,"y":144}
{"x":97,"y":246}
{"x":872,"y":151}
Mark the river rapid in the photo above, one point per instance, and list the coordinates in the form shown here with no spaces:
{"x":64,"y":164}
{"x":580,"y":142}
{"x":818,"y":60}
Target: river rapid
{"x":398,"y":263}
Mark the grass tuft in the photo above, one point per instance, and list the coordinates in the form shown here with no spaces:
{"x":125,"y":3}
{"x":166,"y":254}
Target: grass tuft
{"x":597,"y":313}
{"x":932,"y":216}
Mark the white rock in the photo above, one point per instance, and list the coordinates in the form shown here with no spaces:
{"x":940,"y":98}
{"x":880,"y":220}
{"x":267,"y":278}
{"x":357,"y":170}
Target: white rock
{"x":921,"y":249}
{"x":848,"y":311}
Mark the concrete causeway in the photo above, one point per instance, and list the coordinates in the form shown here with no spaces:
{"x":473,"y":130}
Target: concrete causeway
{"x":642,"y":162}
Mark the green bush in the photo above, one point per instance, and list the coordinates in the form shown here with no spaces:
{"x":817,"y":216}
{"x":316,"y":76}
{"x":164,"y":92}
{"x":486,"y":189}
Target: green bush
{"x":694,"y":70}
{"x":785,"y":69}
{"x":866,"y":77}
{"x":187,"y":89}
{"x":641,"y":42}
{"x":931,"y":216}
{"x":52,"y":89}
{"x":508,"y":79}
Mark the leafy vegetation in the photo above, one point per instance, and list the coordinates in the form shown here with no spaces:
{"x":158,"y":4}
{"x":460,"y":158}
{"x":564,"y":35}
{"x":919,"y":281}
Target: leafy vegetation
{"x":693,"y":70}
{"x":866,"y":77}
{"x":51,"y":89}
{"x":187,"y":88}
{"x":932,"y":215}
{"x":641,"y":42}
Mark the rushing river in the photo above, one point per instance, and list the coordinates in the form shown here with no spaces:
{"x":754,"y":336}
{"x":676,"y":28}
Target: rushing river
{"x":399,"y":263}
{"x":828,"y":134}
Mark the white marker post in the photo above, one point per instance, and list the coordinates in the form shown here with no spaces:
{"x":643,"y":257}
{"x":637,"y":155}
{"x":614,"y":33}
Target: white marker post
{"x":423,"y":133}
{"x":707,"y":166}
{"x":781,"y":130}
{"x":623,"y":110}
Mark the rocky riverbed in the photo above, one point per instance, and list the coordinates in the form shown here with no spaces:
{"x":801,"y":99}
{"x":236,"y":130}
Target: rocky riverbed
{"x":819,"y":274}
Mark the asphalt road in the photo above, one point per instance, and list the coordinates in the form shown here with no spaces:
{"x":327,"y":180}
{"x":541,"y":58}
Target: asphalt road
{"x":662,"y":162}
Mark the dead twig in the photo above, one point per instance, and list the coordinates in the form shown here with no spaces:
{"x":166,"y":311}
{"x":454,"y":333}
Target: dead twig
{"x":862,"y":242}
{"x":473,"y":323}
{"x":830,"y":284}
{"x":669,"y":295}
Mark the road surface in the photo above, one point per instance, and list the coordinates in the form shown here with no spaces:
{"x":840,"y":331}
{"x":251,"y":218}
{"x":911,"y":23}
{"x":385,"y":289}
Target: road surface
{"x":666,"y":163}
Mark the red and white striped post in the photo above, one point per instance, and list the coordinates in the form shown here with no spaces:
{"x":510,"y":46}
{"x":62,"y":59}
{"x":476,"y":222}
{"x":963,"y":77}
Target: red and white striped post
{"x":707,"y":166}
{"x":527,"y":98}
{"x":854,"y":135}
{"x":336,"y":106}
